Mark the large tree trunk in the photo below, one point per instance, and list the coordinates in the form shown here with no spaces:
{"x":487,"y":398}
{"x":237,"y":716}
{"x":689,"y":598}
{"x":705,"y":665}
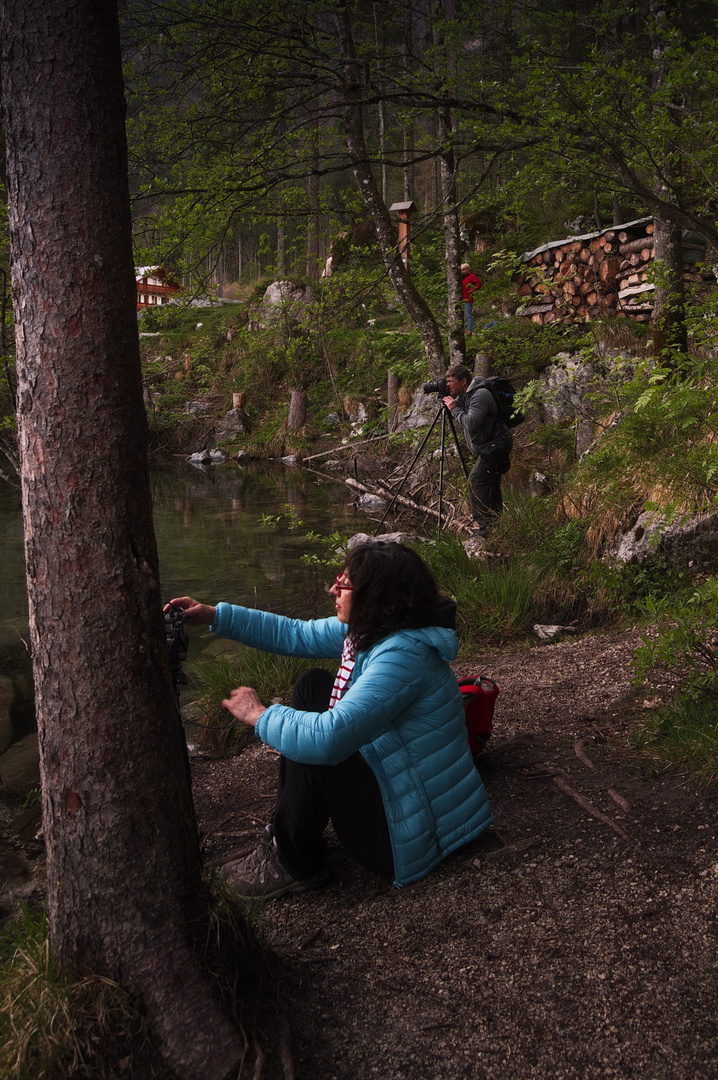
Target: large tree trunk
{"x":669,"y":321}
{"x":669,"y":316}
{"x":122,"y":855}
{"x":313,"y":225}
{"x":449,"y":208}
{"x":452,"y":241}
{"x":407,"y":292}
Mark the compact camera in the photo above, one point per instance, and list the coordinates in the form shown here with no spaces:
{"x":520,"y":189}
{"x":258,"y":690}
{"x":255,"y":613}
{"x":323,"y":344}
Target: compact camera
{"x":177,"y":643}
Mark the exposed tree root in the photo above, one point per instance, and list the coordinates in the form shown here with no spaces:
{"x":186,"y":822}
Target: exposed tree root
{"x":588,"y":807}
{"x":581,"y":754}
{"x":619,"y":800}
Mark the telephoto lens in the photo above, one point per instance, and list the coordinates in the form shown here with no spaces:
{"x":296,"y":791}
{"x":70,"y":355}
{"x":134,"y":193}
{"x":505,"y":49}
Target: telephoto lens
{"x":439,"y":387}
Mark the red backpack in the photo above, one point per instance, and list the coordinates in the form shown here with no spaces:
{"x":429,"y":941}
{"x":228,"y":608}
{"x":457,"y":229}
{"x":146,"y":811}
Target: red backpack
{"x":479,"y":697}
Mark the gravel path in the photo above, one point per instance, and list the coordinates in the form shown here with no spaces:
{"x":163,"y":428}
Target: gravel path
{"x":576,"y":939}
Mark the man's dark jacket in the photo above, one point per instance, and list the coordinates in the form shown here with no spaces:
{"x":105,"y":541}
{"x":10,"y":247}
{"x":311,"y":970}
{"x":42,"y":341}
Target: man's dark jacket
{"x":477,"y":413}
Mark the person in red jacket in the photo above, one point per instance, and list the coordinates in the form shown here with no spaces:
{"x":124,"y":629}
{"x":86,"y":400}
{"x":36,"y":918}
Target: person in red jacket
{"x":470,"y":284}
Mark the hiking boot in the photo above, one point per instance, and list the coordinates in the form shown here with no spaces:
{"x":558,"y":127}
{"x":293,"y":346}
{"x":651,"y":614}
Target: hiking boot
{"x":261,"y":875}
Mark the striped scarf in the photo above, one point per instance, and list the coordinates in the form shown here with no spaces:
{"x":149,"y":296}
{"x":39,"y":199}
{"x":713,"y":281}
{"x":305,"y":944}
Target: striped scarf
{"x":344,"y":675}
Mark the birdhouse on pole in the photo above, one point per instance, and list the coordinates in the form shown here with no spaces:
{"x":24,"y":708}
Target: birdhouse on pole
{"x":405,"y":210}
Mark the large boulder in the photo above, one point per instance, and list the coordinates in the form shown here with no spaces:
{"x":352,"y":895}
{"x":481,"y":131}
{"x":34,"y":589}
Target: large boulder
{"x":568,"y":383}
{"x":282,"y":301}
{"x":20,"y":766}
{"x":690,"y":540}
{"x":7,"y":696}
{"x":422,"y":411}
{"x":233,"y":423}
{"x":384,"y":538}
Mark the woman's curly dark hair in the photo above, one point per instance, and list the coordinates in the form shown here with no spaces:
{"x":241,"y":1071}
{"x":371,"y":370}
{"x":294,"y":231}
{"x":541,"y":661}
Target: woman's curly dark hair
{"x":392,"y":589}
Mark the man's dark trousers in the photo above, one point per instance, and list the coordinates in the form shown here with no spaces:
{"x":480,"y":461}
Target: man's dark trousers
{"x":485,"y":500}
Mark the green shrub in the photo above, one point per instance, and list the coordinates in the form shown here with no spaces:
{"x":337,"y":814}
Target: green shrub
{"x":685,"y":734}
{"x":682,"y":640}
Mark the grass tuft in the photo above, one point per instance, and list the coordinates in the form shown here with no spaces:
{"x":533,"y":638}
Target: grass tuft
{"x":56,"y":1027}
{"x":685,"y":734}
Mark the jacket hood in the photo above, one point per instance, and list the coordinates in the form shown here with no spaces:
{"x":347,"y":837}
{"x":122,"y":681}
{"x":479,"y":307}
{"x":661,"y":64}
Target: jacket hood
{"x":477,"y":383}
{"x":440,"y":638}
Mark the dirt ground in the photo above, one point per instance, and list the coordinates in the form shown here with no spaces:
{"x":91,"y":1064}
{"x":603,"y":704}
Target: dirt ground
{"x":575,"y":939}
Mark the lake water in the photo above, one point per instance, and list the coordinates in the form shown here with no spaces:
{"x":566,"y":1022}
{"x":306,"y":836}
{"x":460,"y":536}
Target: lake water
{"x":212,"y":544}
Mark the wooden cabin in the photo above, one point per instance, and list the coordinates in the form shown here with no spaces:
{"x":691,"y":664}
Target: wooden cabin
{"x":154,"y":286}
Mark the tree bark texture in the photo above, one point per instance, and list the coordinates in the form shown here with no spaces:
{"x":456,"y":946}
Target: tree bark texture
{"x":312,"y":267}
{"x":122,"y":854}
{"x":297,"y":410}
{"x":669,"y":322}
{"x":392,"y":398}
{"x":452,"y":242}
{"x":445,"y":60}
{"x":281,"y":249}
{"x":407,"y":292}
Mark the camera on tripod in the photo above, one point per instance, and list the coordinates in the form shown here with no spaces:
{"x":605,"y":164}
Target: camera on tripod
{"x":177,"y":644}
{"x":439,"y":387}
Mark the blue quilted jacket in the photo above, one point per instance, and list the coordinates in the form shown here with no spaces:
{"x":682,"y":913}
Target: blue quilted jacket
{"x":403,"y":712}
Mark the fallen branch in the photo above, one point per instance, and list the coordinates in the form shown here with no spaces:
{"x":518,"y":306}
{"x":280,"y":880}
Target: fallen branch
{"x":347,"y":446}
{"x":586,"y":805}
{"x":382,"y":494}
{"x":509,"y":849}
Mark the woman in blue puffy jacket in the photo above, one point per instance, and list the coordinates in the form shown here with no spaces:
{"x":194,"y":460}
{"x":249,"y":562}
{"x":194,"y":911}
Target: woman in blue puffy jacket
{"x":381,"y":750}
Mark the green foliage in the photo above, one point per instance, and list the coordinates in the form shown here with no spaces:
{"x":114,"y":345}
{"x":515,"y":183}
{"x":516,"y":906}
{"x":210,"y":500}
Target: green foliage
{"x":336,"y":545}
{"x":402,"y":353}
{"x":32,"y":798}
{"x":681,"y":640}
{"x":54,"y":1026}
{"x":685,"y":638}
{"x":546,"y":572}
{"x":666,"y":441}
{"x":518,"y":345}
{"x":165,"y":317}
{"x":685,"y":734}
{"x":289,"y":519}
{"x":623,"y":588}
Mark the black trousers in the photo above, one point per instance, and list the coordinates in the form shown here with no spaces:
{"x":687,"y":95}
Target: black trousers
{"x":485,"y":501}
{"x":309,"y":796}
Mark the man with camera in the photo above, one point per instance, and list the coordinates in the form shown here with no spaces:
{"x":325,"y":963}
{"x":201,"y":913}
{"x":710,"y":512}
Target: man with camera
{"x":473,"y":405}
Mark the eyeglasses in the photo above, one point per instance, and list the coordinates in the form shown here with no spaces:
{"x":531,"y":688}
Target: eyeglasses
{"x":339,"y":584}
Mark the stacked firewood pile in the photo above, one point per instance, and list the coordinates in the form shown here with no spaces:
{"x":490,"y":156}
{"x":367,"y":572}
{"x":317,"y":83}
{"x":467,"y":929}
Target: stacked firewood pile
{"x":596,"y":275}
{"x":635,"y":291}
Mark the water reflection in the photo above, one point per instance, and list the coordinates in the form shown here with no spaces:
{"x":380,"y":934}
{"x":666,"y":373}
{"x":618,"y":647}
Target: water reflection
{"x":211,"y":544}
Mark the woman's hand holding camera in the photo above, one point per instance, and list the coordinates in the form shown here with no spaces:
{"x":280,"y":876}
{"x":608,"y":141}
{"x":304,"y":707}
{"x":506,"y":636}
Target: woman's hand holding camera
{"x":195,"y":614}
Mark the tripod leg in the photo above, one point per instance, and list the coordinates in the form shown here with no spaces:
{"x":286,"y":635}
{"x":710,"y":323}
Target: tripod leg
{"x":441,"y":467}
{"x":408,"y":471}
{"x":456,"y":443}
